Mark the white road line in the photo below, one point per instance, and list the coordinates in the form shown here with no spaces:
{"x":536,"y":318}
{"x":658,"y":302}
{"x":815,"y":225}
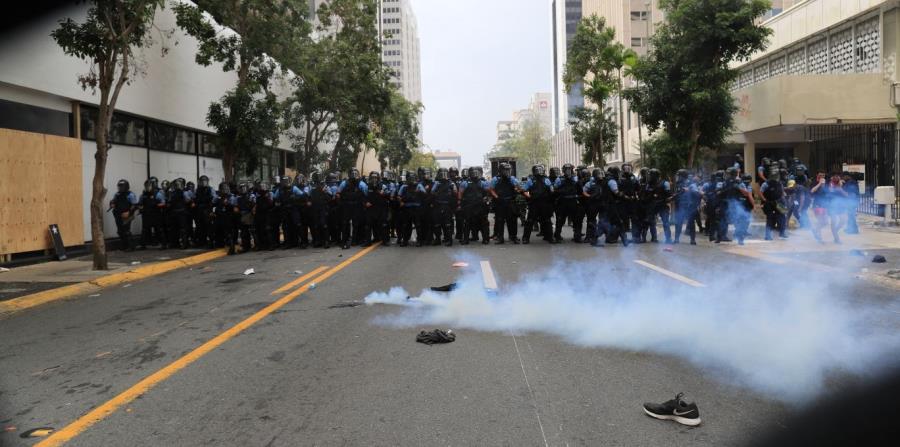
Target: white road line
{"x":533,"y":400}
{"x":490,"y":281}
{"x":670,"y":274}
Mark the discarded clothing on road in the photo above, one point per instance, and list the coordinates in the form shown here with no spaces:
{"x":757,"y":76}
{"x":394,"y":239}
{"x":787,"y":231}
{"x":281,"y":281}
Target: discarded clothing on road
{"x":878,"y":259}
{"x":448,"y":288}
{"x":436,"y":336}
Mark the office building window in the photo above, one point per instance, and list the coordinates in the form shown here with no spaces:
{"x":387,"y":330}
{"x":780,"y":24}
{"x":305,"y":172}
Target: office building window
{"x":639,"y":15}
{"x":637,"y":41}
{"x":164,"y":137}
{"x":208,"y":146}
{"x":124,"y":129}
{"x":29,"y":118}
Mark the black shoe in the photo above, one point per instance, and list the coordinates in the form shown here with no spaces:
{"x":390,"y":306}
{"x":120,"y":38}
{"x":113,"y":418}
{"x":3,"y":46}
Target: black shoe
{"x":366,"y":244}
{"x":435,"y":242}
{"x":557,"y":238}
{"x":725,"y":239}
{"x":345,"y":246}
{"x":525,"y":241}
{"x":418,"y":243}
{"x":499,"y":242}
{"x":515,"y":241}
{"x":693,"y":242}
{"x":485,"y":241}
{"x":675,"y":410}
{"x":448,"y":243}
{"x":577,"y":239}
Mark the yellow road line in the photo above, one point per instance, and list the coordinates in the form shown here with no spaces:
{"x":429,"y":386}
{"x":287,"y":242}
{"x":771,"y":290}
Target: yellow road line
{"x":36,"y":299}
{"x":101,"y":412}
{"x":670,"y":274}
{"x":299,"y":280}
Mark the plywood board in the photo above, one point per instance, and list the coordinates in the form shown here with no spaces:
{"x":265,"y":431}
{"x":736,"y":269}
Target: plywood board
{"x":41,"y":184}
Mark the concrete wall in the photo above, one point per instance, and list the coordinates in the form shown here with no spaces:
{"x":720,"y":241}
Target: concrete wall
{"x":813,"y":99}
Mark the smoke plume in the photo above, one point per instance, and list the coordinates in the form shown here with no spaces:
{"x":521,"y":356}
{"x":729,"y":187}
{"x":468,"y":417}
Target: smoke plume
{"x":782,"y":341}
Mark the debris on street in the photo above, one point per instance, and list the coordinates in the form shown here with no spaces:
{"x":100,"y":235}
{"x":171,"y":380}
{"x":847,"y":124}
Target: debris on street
{"x":346,"y":304}
{"x":448,"y":288}
{"x":3,"y":269}
{"x":249,"y":271}
{"x":878,"y":259}
{"x":39,"y":432}
{"x":436,"y":336}
{"x":460,"y":264}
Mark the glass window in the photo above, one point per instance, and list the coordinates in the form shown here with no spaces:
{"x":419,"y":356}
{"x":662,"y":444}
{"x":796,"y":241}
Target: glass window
{"x":637,"y":42}
{"x":208,"y":146}
{"x":164,"y":137}
{"x":29,"y":118}
{"x":124,"y":129}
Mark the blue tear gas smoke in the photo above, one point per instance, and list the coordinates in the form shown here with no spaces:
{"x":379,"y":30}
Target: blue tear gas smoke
{"x":781,"y":340}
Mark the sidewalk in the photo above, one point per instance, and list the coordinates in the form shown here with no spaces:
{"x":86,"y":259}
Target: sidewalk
{"x":35,"y":278}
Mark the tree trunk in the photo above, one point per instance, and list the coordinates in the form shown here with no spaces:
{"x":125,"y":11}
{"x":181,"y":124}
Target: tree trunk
{"x":228,"y":158}
{"x":695,"y":138}
{"x":98,"y":196}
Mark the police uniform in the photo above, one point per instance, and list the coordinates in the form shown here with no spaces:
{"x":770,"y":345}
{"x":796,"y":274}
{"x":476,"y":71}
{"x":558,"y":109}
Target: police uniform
{"x":262,"y":218}
{"x":443,"y":196}
{"x":655,"y":202}
{"x":474,"y":210}
{"x":152,"y":224}
{"x":567,"y":191}
{"x":540,"y":207}
{"x":773,"y":193}
{"x":290,"y":216}
{"x":321,"y":197}
{"x":124,"y":204}
{"x":223,"y":210}
{"x":687,"y":200}
{"x":179,"y":219}
{"x":411,"y":197}
{"x":200,"y":212}
{"x":352,"y":194}
{"x":504,"y":207}
{"x":378,"y":207}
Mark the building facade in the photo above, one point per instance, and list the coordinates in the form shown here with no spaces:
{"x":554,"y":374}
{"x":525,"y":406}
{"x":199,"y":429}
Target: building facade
{"x":634,"y":22}
{"x":539,"y":109}
{"x":447,"y":159}
{"x":825,"y":91}
{"x":160,"y":124}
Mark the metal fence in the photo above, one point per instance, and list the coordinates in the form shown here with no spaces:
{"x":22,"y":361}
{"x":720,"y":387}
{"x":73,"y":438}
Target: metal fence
{"x":873,"y":146}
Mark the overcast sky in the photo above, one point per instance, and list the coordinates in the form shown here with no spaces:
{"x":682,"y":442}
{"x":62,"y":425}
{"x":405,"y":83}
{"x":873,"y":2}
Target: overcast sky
{"x":481,"y":60}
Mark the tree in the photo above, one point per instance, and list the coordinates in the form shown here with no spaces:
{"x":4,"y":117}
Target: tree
{"x":418,"y":160}
{"x":397,"y":137}
{"x":247,"y":117}
{"x":107,"y":39}
{"x":595,"y":59}
{"x":530,"y":145}
{"x":684,"y":80}
{"x":341,"y":89}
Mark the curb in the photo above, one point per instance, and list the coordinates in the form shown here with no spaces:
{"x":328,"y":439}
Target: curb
{"x":15,"y":305}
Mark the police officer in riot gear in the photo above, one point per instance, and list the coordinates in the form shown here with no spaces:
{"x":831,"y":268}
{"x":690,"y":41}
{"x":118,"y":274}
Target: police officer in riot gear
{"x":411,"y":196}
{"x":302,"y":203}
{"x":377,"y":209}
{"x":473,"y":194}
{"x":593,"y":192}
{"x":178,"y":202}
{"x":687,"y":201}
{"x":246,"y":201}
{"x":614,"y":226}
{"x":203,"y":198}
{"x":390,"y":181}
{"x":584,"y":177}
{"x":566,"y":189}
{"x":224,"y":210}
{"x":655,"y":200}
{"x":335,"y":221}
{"x":537,"y":191}
{"x":426,"y":181}
{"x":444,"y":195}
{"x":503,"y":190}
{"x":262,"y":217}
{"x":352,"y":195}
{"x":628,"y":203}
{"x":320,"y":196}
{"x":772,"y":192}
{"x":290,"y":216}
{"x":151,"y":204}
{"x":123,"y":205}
{"x":454,"y":175}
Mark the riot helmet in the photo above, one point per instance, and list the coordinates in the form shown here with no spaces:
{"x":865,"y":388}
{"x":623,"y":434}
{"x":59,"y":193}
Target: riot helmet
{"x":554,"y":173}
{"x":653,"y":176}
{"x":453,"y":173}
{"x":613,"y":172}
{"x":627,"y":169}
{"x":568,"y":170}
{"x":682,"y":174}
{"x":537,"y":170}
{"x":475,"y":173}
{"x":204,"y":181}
{"x":597,"y":174}
{"x":731,"y":173}
{"x":746,"y":179}
{"x":644,"y":172}
{"x":190,"y":186}
{"x":374,"y":178}
{"x":331,"y":179}
{"x":242,"y":188}
{"x":123,"y":185}
{"x":154,"y":182}
{"x":285,"y":181}
{"x":165,"y":185}
{"x":354,"y":174}
{"x":411,"y":178}
{"x":505,"y":170}
{"x":782,"y":164}
{"x":766,"y":161}
{"x":464,"y":173}
{"x":719,"y":175}
{"x":315,"y":178}
{"x":263,"y":187}
{"x":388,"y":176}
{"x":774,"y":174}
{"x":178,"y":184}
{"x":148,"y":186}
{"x":224,"y":189}
{"x":441,"y":174}
{"x":424,"y":174}
{"x":300,"y":180}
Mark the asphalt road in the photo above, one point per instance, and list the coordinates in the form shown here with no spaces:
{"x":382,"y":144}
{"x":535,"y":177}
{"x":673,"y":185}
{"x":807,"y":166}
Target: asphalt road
{"x":308,"y":374}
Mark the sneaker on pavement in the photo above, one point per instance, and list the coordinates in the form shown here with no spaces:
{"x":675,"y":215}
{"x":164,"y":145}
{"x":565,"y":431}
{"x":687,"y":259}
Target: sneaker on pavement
{"x":675,"y":410}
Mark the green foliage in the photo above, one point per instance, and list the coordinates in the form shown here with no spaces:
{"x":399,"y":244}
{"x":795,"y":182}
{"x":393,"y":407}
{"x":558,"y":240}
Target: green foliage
{"x":341,"y":89}
{"x":246,"y":118}
{"x":420,"y":159}
{"x":684,"y":81}
{"x":595,"y":59}
{"x":397,"y":136}
{"x":107,"y":39}
{"x":530,"y":146}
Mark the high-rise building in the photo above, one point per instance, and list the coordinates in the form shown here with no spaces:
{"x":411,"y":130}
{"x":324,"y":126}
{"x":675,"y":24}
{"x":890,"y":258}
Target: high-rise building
{"x":633,"y":22}
{"x":538,"y":109}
